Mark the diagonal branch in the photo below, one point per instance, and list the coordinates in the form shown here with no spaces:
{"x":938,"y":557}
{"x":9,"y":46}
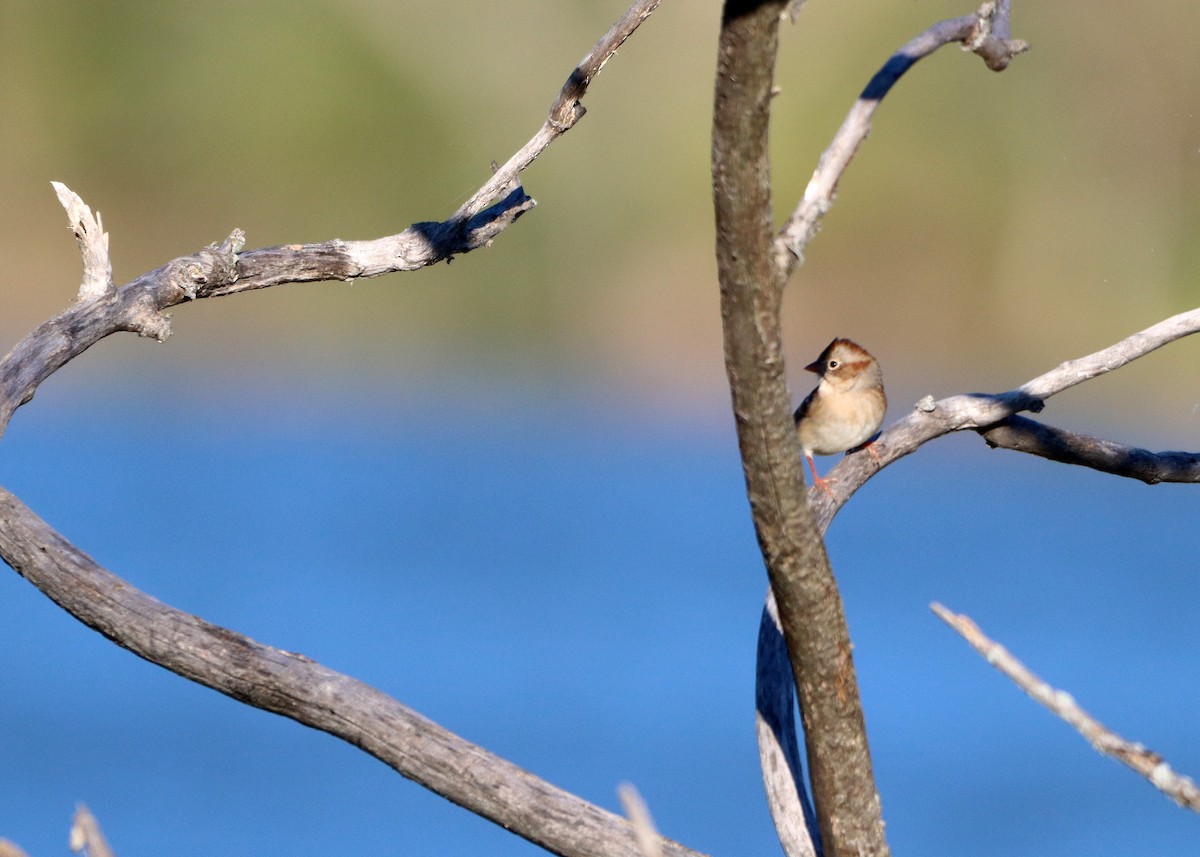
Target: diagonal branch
{"x":985,"y":32}
{"x":1146,"y":762}
{"x":302,"y":689}
{"x":564,"y":112}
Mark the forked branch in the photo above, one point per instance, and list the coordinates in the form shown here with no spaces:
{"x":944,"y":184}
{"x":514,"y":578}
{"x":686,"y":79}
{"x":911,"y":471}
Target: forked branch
{"x":995,"y":417}
{"x":986,"y":33}
{"x":811,"y":616}
{"x":283,"y":682}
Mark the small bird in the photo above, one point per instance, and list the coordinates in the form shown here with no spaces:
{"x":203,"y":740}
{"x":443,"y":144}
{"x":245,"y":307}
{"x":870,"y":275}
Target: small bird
{"x":846,"y":408}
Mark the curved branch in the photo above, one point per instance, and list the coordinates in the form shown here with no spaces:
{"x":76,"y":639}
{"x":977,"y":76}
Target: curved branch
{"x":224,"y":269}
{"x":985,"y":33}
{"x":297,"y":687}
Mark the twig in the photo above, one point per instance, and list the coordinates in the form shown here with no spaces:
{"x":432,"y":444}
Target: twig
{"x":86,"y":837}
{"x":1146,"y":762}
{"x":985,"y":33}
{"x":639,"y":818}
{"x":564,"y":112}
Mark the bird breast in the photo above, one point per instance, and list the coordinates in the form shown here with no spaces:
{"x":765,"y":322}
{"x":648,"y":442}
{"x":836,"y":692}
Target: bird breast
{"x":838,"y":421}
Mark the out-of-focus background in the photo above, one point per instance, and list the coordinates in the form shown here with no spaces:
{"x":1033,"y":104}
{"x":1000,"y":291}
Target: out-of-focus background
{"x":506,"y":490}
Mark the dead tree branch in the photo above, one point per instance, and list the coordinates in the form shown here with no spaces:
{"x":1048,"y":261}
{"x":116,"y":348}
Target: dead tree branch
{"x":985,"y":33}
{"x":295,"y":686}
{"x":810,"y":607}
{"x":996,"y":418}
{"x":93,"y":244}
{"x":283,"y":682}
{"x":224,"y":269}
{"x":566,"y":110}
{"x":1022,"y":434}
{"x":1146,"y":762}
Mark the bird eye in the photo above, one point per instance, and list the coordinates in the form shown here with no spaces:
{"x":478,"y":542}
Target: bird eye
{"x":833,"y":364}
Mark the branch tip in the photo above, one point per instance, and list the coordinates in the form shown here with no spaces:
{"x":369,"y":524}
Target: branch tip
{"x":89,"y":233}
{"x":648,"y":840}
{"x":86,"y":837}
{"x":1145,"y":762}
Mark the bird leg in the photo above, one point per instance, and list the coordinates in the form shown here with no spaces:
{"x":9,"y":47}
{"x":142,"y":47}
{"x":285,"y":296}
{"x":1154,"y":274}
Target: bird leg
{"x":823,"y":484}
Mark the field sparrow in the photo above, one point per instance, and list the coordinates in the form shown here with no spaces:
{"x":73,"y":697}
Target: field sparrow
{"x":846,"y":408}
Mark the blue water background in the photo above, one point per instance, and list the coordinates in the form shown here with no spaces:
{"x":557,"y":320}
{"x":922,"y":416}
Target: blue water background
{"x":575,"y":586}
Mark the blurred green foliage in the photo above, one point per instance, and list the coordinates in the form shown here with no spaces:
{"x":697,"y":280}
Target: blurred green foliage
{"x":992,"y":226}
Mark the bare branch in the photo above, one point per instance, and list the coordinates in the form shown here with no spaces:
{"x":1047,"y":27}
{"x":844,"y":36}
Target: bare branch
{"x":1072,"y":372}
{"x":93,"y":244}
{"x":778,"y":744}
{"x":564,"y":112}
{"x":9,"y":848}
{"x":810,"y":607}
{"x":995,"y":418}
{"x":1022,"y":434}
{"x":136,"y":307}
{"x":274,"y":680}
{"x":86,"y":837}
{"x":224,"y":269}
{"x":1146,"y":762}
{"x":295,"y":686}
{"x":986,"y":33}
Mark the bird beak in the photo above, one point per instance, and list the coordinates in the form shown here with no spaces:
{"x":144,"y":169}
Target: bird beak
{"x":814,"y":367}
